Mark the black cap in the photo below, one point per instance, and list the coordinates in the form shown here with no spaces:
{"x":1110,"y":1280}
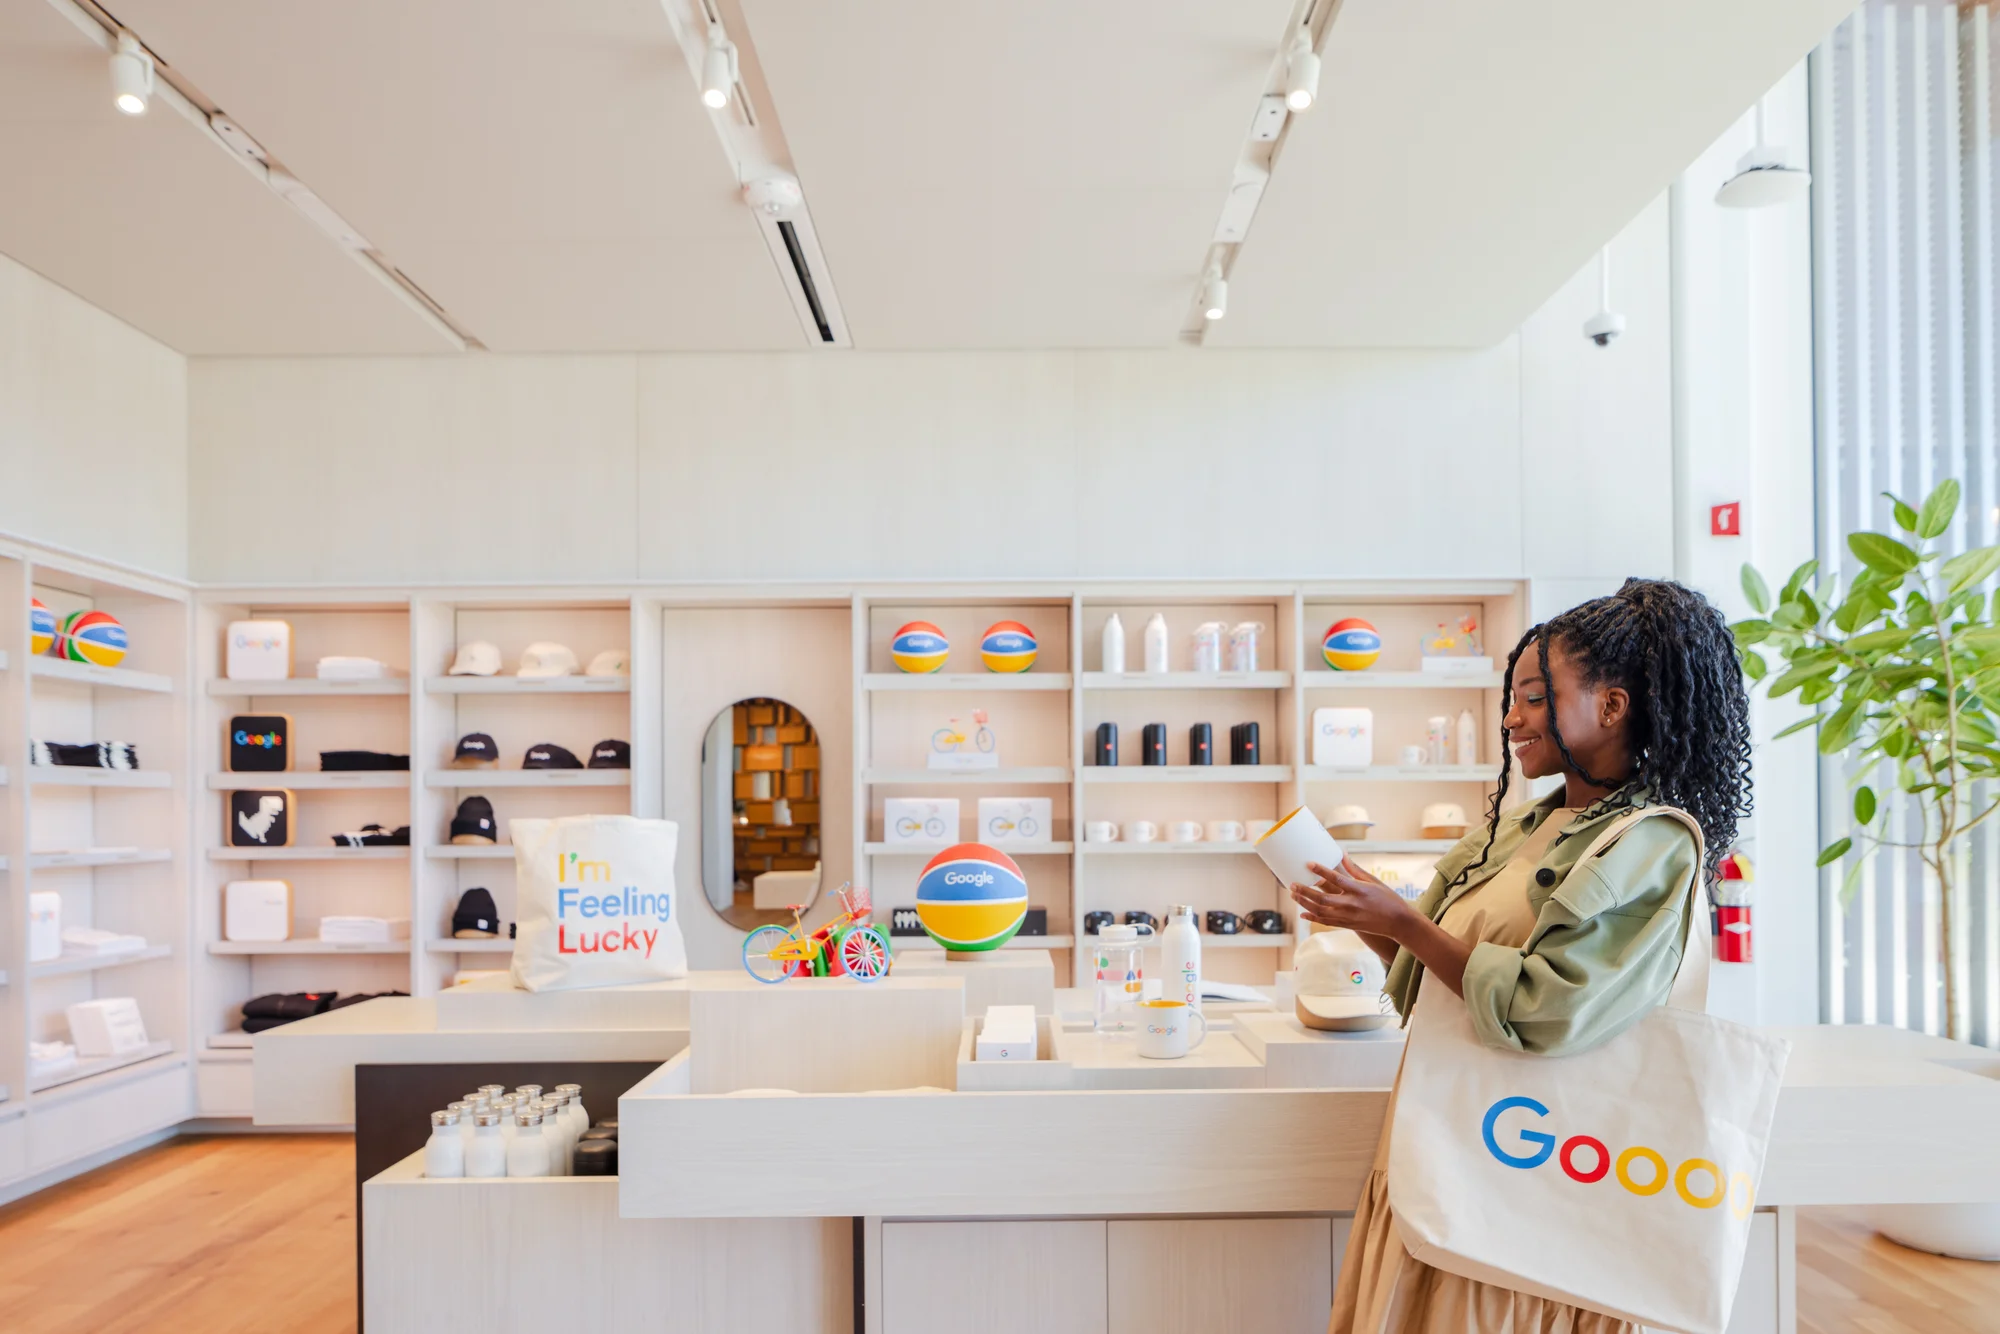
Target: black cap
{"x":611,"y":755}
{"x":475,"y":915}
{"x":550,"y":756}
{"x":475,"y":748}
{"x":474,"y":822}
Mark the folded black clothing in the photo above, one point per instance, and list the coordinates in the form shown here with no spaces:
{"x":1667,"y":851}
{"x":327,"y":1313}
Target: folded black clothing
{"x":289,"y":1005}
{"x":84,"y":755}
{"x":338,"y":760}
{"x":257,"y":1024}
{"x":346,"y":1001}
{"x":374,"y":836}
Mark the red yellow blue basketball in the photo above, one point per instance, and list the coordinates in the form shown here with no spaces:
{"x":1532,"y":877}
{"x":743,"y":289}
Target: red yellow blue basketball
{"x":41,"y":628}
{"x":971,"y":897}
{"x":919,"y":647}
{"x":94,"y":637}
{"x":1008,"y":646}
{"x":1351,"y":645}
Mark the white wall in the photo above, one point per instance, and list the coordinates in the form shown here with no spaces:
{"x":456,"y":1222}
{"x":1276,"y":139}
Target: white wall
{"x":1543,"y":456}
{"x":93,"y":429}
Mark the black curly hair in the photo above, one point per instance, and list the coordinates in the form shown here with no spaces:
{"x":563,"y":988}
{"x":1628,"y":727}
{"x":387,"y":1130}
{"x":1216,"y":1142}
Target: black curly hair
{"x":1671,"y":650}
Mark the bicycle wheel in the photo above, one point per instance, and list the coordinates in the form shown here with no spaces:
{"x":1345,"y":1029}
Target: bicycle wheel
{"x":757,"y":960}
{"x":984,"y":740}
{"x":865,"y":953}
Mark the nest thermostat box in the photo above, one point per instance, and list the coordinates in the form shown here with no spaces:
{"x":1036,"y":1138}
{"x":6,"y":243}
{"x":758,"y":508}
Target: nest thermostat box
{"x":260,"y":818}
{"x":260,"y":743}
{"x":1343,"y":738}
{"x":108,"y":1027}
{"x":258,"y":651}
{"x":1014,"y":820}
{"x":257,"y":910}
{"x":44,"y":926}
{"x":921,"y":819}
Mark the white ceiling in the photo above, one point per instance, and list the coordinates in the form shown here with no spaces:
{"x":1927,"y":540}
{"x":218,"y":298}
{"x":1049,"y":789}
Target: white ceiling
{"x":1041,"y":174}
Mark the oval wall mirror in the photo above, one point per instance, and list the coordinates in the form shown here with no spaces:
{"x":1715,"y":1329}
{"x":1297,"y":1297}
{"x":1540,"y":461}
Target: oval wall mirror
{"x":760,"y":787}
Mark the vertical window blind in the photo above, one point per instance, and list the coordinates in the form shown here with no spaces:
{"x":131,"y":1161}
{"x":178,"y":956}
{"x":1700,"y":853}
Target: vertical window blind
{"x":1906,"y":364}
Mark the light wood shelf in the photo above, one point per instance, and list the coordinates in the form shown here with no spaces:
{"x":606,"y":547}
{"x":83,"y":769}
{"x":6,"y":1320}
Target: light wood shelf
{"x":1411,"y":845}
{"x":103,"y":1065}
{"x":308,"y":685}
{"x":312,"y":780}
{"x":312,"y":854}
{"x":1164,"y":848}
{"x":63,"y":775}
{"x":1389,"y":773}
{"x":1042,"y":681}
{"x":68,"y":964}
{"x":51,"y":861}
{"x":1187,"y":773}
{"x":90,"y":674}
{"x":1369,"y":680}
{"x":307,"y":947}
{"x":963,"y":777}
{"x":534,"y":685}
{"x":1052,"y":849}
{"x":1248,"y":940}
{"x":1186,"y":680}
{"x":453,"y":945}
{"x":470,"y":852}
{"x":463,"y":779}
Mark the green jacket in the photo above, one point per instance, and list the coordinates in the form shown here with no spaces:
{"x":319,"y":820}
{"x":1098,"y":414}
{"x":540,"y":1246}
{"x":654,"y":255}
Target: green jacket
{"x":1607,"y":936}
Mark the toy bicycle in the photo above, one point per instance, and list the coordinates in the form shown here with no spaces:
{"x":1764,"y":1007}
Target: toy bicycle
{"x":774,"y":953}
{"x":952,"y":738}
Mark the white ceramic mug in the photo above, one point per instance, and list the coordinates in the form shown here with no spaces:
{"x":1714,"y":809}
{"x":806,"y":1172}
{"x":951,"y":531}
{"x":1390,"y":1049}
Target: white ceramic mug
{"x":1164,"y":1027}
{"x":1141,"y":831}
{"x":1256,"y":829}
{"x":1100,"y":831}
{"x":1414,"y":756}
{"x":1184,"y":831}
{"x":1225,"y":831}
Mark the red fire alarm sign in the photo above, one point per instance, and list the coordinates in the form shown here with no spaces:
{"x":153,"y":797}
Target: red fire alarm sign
{"x":1726,"y":520}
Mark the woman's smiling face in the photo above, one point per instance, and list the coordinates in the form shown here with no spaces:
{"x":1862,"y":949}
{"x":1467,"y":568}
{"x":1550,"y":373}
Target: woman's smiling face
{"x":1591,"y":718}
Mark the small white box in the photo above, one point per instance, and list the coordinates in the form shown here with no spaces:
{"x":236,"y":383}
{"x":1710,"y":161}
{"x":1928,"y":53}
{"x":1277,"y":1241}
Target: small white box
{"x":1343,"y":738}
{"x":1004,"y":820}
{"x":44,"y":926}
{"x":350,"y":930}
{"x":1444,"y":664}
{"x":108,"y":1027}
{"x":257,"y":910}
{"x":258,"y":651}
{"x":1007,"y":1034}
{"x":919,"y":820}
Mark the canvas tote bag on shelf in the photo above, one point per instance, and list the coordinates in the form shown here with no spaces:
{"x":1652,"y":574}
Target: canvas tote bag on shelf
{"x":596,"y":902}
{"x":1621,"y":1179}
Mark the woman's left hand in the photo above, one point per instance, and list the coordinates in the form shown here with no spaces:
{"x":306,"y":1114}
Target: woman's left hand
{"x":1348,"y":896}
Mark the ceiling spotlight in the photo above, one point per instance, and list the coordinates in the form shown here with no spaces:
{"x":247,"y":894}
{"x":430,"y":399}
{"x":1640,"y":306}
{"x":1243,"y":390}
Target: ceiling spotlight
{"x":718,"y":70}
{"x":1764,"y":176}
{"x":1606,"y":325}
{"x":1214,"y":295}
{"x":131,"y":76}
{"x":773,"y":194}
{"x":1301,"y":73}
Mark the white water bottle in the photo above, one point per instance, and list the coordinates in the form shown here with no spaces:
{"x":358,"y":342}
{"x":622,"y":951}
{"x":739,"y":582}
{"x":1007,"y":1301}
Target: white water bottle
{"x":486,"y":1156}
{"x":555,"y":1126}
{"x":575,"y":1116}
{"x":444,"y":1151}
{"x":1468,"y":738}
{"x":1156,"y":645}
{"x":1180,"y":957}
{"x":461,"y":1113}
{"x":528,"y":1155}
{"x":1113,"y":658}
{"x":1208,"y":646}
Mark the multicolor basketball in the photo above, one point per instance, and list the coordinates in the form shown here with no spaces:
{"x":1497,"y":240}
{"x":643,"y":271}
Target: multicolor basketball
{"x":1351,"y":645}
{"x":94,"y":637}
{"x":41,"y":628}
{"x":919,"y":647}
{"x":1008,"y":646}
{"x":971,"y":897}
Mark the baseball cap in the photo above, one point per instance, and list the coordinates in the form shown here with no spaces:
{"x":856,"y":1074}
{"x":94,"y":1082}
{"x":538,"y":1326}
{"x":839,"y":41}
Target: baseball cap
{"x":611,"y":662}
{"x":1339,"y":982}
{"x":1444,"y":815}
{"x":550,"y":756}
{"x":475,"y":917}
{"x":475,"y":749}
{"x":1344,"y":817}
{"x":478,"y":658}
{"x":544,"y":659}
{"x":474,"y":822}
{"x":611,"y":754}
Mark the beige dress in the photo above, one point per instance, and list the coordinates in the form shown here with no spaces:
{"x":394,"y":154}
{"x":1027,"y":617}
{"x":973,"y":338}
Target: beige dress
{"x":1381,"y":1289}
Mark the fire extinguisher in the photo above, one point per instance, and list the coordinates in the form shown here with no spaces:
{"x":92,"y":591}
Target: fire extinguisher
{"x":1732,"y":910}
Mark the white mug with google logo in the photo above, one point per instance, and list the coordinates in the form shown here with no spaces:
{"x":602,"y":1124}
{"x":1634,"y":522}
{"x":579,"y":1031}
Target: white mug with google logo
{"x":1164,"y":1027}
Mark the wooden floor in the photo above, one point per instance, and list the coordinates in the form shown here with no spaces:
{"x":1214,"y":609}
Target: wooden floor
{"x":255,"y":1233}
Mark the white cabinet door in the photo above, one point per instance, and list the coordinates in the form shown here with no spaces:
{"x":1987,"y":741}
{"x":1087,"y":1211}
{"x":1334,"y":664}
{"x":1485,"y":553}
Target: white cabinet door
{"x":994,"y":1278}
{"x":1220,"y":1276}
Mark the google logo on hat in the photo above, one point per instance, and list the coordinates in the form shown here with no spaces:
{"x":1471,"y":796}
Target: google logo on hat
{"x":1737,"y":1188}
{"x":1356,"y":977}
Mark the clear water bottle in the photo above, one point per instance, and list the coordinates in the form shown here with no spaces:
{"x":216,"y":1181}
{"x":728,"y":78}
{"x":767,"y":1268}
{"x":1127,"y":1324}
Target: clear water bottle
{"x":1120,"y":984}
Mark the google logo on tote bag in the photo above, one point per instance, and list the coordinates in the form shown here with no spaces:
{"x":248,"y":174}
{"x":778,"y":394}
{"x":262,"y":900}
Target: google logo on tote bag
{"x":1738,"y":1188}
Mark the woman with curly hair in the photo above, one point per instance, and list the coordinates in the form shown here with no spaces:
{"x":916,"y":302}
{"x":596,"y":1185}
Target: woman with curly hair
{"x":1636,"y":702}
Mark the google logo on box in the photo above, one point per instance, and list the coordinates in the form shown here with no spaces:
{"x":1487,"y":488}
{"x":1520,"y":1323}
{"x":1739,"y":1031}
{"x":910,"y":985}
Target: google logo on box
{"x":1737,"y":1188}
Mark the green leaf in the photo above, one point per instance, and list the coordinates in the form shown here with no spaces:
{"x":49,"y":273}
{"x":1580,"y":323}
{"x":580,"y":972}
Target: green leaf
{"x":1751,"y":632}
{"x":1939,"y":506}
{"x":1754,"y":666}
{"x":1986,"y":639}
{"x":1906,"y":518}
{"x":1799,"y":726}
{"x":1838,"y":734}
{"x":1834,"y":852}
{"x":1799,"y":579}
{"x":1864,"y":804}
{"x":1852,"y":880}
{"x":1882,"y":553}
{"x":1789,"y":616}
{"x":1966,"y":569}
{"x":1755,"y":589}
{"x":1798,"y":675}
{"x":1877,"y":641}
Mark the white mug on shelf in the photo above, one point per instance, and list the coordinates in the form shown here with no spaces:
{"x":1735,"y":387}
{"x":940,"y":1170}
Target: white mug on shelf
{"x":1141,"y":831}
{"x":1099,"y":831}
{"x":1184,"y":831}
{"x":1225,"y":831}
{"x":1256,"y":829}
{"x":1164,"y":1027}
{"x":1414,"y":756}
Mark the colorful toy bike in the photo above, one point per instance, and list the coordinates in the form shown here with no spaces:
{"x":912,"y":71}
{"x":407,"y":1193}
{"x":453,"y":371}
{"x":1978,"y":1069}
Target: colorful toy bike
{"x":774,"y":953}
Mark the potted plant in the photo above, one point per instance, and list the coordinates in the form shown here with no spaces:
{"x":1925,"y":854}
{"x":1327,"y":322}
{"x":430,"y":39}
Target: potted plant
{"x":1902,"y":669}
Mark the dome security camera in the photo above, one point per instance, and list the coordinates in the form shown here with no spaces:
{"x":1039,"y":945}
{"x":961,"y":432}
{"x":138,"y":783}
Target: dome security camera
{"x":1603,"y":327}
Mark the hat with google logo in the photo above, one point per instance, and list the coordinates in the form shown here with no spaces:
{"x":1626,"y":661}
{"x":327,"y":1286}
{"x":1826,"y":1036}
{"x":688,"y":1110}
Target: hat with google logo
{"x":1338,"y":982}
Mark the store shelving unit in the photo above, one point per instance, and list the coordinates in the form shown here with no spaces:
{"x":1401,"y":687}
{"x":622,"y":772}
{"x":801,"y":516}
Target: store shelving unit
{"x":69,"y":964}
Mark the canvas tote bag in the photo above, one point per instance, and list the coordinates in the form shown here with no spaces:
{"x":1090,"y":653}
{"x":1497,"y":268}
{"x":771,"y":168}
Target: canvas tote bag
{"x":596,"y":904}
{"x":1621,"y":1179}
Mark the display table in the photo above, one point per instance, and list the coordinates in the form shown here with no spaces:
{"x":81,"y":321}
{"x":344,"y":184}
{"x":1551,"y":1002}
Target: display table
{"x":827,"y":1116}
